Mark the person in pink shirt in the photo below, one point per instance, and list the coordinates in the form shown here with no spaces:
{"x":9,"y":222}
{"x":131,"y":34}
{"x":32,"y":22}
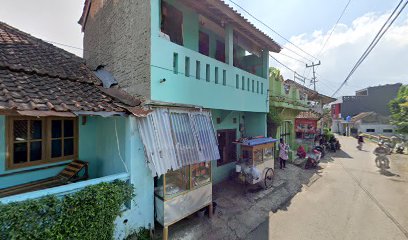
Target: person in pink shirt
{"x":283,"y":153}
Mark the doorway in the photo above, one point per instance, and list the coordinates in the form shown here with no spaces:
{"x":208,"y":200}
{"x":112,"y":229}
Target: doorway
{"x":228,"y":150}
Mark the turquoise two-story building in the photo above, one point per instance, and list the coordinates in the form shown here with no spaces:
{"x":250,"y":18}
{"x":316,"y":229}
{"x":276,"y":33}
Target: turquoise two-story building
{"x":197,"y":53}
{"x":201,"y":72}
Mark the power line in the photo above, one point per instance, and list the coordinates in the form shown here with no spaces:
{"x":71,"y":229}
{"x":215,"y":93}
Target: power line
{"x":331,"y":33}
{"x":287,"y":40}
{"x":313,"y":65}
{"x":293,"y":58}
{"x":126,"y":58}
{"x":374,"y":42}
{"x":335,"y":25}
{"x":297,"y":75}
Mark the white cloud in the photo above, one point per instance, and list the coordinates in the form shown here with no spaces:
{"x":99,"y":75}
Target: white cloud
{"x":387,"y":63}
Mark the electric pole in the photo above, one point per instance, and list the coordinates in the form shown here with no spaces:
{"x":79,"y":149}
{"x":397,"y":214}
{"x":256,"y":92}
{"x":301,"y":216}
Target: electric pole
{"x":314,"y":73}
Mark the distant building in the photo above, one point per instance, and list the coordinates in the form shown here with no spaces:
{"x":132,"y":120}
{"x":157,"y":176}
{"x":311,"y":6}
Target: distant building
{"x":373,"y":100}
{"x":371,"y":123}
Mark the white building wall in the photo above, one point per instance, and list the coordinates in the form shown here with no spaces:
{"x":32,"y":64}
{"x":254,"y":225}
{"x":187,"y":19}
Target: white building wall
{"x":378,"y":129}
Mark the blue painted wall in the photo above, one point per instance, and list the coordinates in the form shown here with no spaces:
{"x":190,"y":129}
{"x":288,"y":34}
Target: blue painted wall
{"x":202,"y":91}
{"x":222,"y":173}
{"x":254,"y":124}
{"x":97,"y":145}
{"x":141,"y":213}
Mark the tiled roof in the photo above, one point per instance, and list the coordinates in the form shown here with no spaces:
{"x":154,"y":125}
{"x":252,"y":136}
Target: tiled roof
{"x":35,"y":75}
{"x":311,"y":94}
{"x":22,"y":91}
{"x":361,"y":116}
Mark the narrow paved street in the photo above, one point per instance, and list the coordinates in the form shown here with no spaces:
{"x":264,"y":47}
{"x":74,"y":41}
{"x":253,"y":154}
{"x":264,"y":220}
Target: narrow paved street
{"x":352,"y":200}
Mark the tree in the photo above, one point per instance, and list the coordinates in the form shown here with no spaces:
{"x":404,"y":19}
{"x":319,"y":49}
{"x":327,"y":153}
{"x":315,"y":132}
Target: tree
{"x":399,"y":110}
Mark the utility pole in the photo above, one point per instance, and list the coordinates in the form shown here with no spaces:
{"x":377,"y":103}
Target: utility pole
{"x":314,"y":73}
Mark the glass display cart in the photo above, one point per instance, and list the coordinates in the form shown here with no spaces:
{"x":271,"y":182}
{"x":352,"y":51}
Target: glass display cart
{"x":256,"y":162}
{"x":182,"y":192}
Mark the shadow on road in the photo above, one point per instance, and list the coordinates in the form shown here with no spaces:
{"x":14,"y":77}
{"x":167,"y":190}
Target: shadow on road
{"x":341,"y":154}
{"x":383,"y":163}
{"x":387,"y":173}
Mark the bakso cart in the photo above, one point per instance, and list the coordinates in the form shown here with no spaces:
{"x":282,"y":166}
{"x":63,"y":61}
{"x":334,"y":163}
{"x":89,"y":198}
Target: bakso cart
{"x":256,"y":162}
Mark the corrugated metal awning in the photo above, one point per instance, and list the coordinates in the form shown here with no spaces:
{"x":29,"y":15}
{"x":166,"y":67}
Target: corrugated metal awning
{"x":175,"y":138}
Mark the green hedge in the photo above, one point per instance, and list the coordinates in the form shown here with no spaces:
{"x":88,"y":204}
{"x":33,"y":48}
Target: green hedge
{"x":87,"y":214}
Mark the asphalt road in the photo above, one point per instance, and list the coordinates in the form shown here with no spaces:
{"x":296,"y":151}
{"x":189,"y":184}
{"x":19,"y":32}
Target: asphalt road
{"x":353,"y":199}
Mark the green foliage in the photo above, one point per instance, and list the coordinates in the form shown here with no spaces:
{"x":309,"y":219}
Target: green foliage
{"x":327,"y":134}
{"x":399,"y":110}
{"x":274,"y":73}
{"x":274,"y":120}
{"x":87,"y":214}
{"x":142,"y":234}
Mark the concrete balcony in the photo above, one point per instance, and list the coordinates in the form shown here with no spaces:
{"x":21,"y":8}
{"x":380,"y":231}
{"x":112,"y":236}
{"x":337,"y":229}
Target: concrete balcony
{"x":181,"y":75}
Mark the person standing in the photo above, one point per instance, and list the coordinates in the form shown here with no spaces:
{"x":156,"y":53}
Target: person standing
{"x":283,"y":153}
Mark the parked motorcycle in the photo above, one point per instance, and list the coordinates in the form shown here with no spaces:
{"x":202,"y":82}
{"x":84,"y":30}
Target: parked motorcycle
{"x":321,"y":149}
{"x":313,"y":159}
{"x":389,"y":145}
{"x":399,"y":148}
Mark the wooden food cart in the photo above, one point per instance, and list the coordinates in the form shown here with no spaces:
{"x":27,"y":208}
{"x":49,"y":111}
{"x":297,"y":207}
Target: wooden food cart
{"x":256,"y":162}
{"x":181,"y":193}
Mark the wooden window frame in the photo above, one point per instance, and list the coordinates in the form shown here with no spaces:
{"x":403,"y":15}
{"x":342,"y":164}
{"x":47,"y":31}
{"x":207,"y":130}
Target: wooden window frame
{"x":46,"y":142}
{"x":49,"y":139}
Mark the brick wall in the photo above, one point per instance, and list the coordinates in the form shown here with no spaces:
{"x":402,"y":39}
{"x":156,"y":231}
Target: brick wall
{"x":117,"y":34}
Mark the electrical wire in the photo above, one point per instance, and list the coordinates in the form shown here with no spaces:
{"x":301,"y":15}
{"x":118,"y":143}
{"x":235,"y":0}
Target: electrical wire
{"x":290,"y":69}
{"x":331,"y":33}
{"x":293,"y":58}
{"x":239,"y":86}
{"x":335,"y":25}
{"x":287,"y":40}
{"x":117,"y":144}
{"x":191,"y":76}
{"x":374,"y":42}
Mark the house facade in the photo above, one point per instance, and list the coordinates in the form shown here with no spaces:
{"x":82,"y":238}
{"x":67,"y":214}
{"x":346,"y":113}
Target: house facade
{"x":287,"y":101}
{"x":300,"y":110}
{"x":183,"y":58}
{"x":200,"y":54}
{"x":371,"y":99}
{"x":62,"y":131}
{"x":371,"y":123}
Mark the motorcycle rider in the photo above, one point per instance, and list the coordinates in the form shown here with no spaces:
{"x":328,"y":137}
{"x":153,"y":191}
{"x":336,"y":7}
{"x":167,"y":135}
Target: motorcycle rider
{"x":360,"y":141}
{"x":381,"y":152}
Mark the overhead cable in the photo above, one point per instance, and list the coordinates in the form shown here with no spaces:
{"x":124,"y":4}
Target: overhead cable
{"x":375,"y":41}
{"x":267,"y":26}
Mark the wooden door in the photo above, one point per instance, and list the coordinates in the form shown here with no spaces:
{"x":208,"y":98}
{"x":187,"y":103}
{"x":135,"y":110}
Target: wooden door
{"x":228,"y":150}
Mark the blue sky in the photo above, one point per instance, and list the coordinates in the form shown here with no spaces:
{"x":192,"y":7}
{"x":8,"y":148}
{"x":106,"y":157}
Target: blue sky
{"x":306,"y":23}
{"x":294,"y":17}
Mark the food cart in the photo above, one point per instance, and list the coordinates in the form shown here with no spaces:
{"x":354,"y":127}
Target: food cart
{"x":256,"y":162}
{"x":182,"y":192}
